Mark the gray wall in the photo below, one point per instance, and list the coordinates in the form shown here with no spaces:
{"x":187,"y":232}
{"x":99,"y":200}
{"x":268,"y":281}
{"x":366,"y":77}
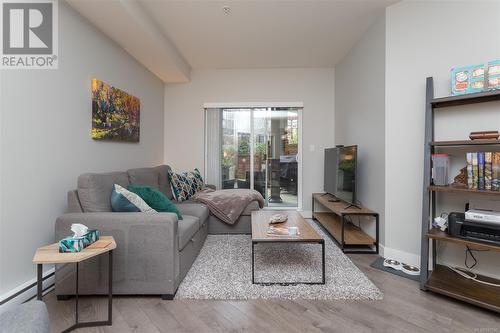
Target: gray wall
{"x":360,"y":114}
{"x":423,"y":40}
{"x":45,"y":137}
{"x":184,"y":117}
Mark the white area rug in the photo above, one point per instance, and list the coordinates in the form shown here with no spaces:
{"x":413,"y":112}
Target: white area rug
{"x":223,"y":270}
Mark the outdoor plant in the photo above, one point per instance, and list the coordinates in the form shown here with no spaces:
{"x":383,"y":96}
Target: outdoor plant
{"x":228,"y":155}
{"x":260,"y":149}
{"x":243,"y":148}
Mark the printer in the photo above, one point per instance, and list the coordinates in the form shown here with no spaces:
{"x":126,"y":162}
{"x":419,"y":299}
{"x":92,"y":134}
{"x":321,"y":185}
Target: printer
{"x":476,"y":224}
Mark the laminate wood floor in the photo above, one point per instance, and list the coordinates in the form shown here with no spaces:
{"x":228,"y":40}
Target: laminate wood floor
{"x":405,"y":308}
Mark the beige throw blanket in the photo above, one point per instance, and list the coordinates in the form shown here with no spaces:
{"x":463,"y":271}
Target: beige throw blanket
{"x":227,"y":205}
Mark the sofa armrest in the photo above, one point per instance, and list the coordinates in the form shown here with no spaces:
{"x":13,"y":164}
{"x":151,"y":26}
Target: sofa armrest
{"x":146,"y":257}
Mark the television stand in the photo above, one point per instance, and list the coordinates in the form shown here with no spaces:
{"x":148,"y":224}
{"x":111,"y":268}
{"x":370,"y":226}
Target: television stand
{"x":332,"y":197}
{"x":350,"y":205}
{"x":334,"y":216}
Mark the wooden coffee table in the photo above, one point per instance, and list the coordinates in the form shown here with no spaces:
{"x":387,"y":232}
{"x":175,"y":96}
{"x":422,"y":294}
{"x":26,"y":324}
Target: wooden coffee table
{"x":260,"y":224}
{"x":50,"y":255}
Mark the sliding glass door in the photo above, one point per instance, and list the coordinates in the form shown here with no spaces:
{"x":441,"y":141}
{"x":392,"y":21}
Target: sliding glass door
{"x":235,"y":148}
{"x":276,"y":155}
{"x":255,"y":148}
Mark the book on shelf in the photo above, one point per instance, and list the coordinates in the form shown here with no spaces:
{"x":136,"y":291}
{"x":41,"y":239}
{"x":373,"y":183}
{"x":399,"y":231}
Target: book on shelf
{"x":480,"y":170}
{"x":483,"y":171}
{"x":487,"y":171}
{"x":470,"y":179}
{"x":495,"y":171}
{"x":475,"y":174}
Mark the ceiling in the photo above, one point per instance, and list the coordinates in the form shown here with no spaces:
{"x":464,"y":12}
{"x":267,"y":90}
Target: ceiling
{"x":172,"y":37}
{"x":264,"y":34}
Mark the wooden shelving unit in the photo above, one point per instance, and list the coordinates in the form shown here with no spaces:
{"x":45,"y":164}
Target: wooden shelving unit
{"x":451,"y":188}
{"x":460,"y":143}
{"x":441,"y":235}
{"x":443,"y":280}
{"x":482,"y":97}
{"x":446,"y":282}
{"x":335,"y":221}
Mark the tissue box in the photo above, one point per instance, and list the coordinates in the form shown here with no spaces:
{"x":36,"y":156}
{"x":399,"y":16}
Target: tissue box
{"x":76,"y":244}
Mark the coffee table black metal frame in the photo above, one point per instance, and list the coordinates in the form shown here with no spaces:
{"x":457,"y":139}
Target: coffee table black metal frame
{"x":322,"y":242}
{"x":78,"y":324}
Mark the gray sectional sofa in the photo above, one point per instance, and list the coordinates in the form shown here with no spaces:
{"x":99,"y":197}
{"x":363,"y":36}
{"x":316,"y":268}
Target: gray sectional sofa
{"x":154,"y":251}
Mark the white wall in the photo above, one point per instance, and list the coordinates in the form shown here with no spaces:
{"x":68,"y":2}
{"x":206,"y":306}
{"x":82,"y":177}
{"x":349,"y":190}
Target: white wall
{"x":184,"y":118}
{"x":428,"y":39}
{"x":360,"y":116}
{"x":1,"y":181}
{"x":45,"y":137}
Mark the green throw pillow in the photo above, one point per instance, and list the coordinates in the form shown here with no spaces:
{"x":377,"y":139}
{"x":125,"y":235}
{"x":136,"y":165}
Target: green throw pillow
{"x":154,"y":198}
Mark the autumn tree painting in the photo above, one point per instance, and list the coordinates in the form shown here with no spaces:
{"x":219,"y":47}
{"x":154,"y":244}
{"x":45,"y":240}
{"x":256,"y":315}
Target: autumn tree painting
{"x":115,"y":114}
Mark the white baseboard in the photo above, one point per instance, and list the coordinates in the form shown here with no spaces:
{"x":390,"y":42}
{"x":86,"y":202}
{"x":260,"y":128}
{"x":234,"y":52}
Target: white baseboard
{"x":27,"y":294}
{"x":401,"y":256}
{"x":307,"y":214}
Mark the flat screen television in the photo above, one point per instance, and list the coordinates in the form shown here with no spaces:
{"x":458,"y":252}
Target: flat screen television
{"x":330,"y":179}
{"x":340,"y":173}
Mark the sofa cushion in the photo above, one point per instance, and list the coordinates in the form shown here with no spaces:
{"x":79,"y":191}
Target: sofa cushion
{"x":194,"y":209}
{"x":74,"y":205}
{"x":254,"y":205}
{"x":187,"y":228}
{"x":164,"y":181}
{"x":148,"y":177}
{"x":94,"y":190}
{"x":156,"y":177}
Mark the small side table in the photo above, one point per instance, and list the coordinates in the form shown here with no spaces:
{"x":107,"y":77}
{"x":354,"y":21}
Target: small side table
{"x":50,"y":255}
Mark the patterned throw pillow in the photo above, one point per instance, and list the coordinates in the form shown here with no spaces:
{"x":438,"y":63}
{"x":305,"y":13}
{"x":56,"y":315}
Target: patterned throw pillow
{"x":198,"y":179}
{"x":185,"y":184}
{"x":117,"y":202}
